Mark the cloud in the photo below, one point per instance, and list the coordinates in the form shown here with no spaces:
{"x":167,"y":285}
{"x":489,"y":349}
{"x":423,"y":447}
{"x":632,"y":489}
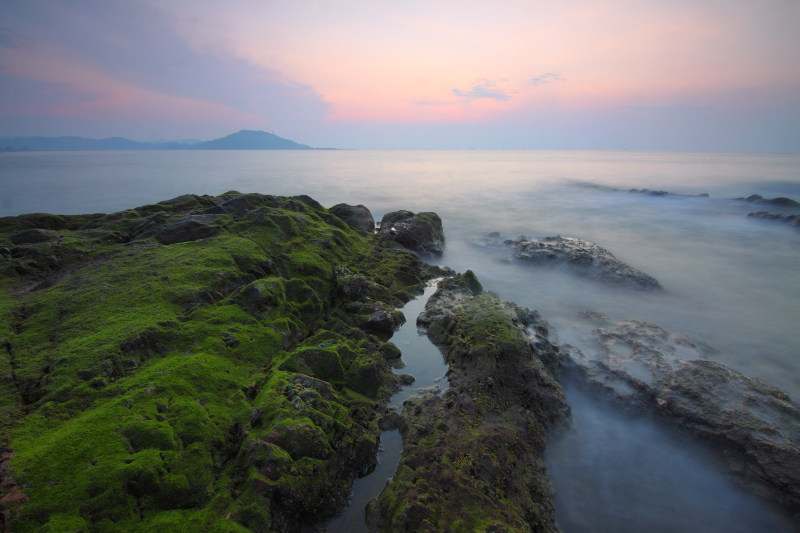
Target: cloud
{"x":125,"y":58}
{"x":484,"y":89}
{"x":547,"y":77}
{"x":668,"y":109}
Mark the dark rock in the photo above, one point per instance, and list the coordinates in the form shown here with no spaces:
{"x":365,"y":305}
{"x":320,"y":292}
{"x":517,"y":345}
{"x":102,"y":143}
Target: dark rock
{"x":189,"y":228}
{"x":777,"y":202}
{"x":753,"y":426}
{"x":357,"y":217}
{"x":382,"y":318}
{"x":651,"y":192}
{"x":31,"y":236}
{"x":390,"y":351}
{"x":390,"y":420}
{"x":582,"y":257}
{"x":406,"y":379}
{"x":792,"y":220}
{"x":421,"y":232}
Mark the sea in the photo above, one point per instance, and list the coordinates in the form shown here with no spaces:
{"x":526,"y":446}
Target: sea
{"x":729,"y":280}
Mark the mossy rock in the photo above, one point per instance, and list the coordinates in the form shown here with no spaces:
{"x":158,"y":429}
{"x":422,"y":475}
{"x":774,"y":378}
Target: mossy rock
{"x":143,"y":351}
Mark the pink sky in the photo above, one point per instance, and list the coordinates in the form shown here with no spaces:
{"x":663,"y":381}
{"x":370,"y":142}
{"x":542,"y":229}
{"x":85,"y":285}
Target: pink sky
{"x":403,"y":74}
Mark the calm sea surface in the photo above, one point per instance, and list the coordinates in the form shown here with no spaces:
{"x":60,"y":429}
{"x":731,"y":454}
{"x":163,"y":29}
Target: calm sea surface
{"x":730,"y":280}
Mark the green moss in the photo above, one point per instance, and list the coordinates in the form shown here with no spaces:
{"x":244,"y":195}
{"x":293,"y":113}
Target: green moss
{"x":211,"y":381}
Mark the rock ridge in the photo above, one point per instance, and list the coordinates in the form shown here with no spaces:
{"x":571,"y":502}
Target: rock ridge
{"x":472,"y":456}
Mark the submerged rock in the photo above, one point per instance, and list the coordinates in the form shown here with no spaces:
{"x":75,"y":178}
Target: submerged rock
{"x":581,"y":257}
{"x":420,"y":232}
{"x":776,"y":202}
{"x":472,"y":457}
{"x":357,"y":217}
{"x":792,"y":220}
{"x":754,"y":426}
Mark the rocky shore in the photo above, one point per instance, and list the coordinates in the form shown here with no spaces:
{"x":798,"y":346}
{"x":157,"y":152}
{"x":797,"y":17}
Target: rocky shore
{"x":223,"y":364}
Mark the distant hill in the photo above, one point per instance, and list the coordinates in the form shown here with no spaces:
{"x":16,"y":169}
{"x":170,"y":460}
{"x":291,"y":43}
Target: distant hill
{"x":242,"y":140}
{"x":250,"y":140}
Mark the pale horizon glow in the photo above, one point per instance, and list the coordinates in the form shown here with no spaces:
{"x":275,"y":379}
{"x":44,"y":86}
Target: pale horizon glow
{"x":666,"y":74}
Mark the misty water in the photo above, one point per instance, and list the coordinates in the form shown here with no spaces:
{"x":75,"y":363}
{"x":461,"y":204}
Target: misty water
{"x":729,"y":280}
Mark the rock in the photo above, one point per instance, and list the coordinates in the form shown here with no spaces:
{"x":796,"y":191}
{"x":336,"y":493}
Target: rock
{"x":31,"y":236}
{"x":421,"y":232}
{"x":357,"y":217}
{"x":582,"y":257}
{"x":380,"y":318}
{"x":189,"y":228}
{"x":472,"y":454}
{"x":390,"y":351}
{"x":792,"y":220}
{"x":778,"y":202}
{"x":753,"y":426}
{"x":651,"y":192}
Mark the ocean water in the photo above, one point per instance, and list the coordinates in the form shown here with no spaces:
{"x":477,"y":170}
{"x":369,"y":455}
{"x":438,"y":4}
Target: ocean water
{"x":729,"y":280}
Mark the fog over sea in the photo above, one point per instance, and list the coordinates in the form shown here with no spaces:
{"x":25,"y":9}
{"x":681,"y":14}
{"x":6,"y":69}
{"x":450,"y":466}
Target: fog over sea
{"x":730,"y":280}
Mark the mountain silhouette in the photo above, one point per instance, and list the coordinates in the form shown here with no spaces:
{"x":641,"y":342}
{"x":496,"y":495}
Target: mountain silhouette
{"x":241,"y":140}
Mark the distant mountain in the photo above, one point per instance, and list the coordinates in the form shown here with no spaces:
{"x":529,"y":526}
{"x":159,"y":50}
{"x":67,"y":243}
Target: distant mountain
{"x":243,"y":140}
{"x":250,"y":140}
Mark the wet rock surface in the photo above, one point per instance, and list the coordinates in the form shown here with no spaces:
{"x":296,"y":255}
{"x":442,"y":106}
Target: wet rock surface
{"x":472,"y":454}
{"x":420,"y":232}
{"x":642,"y":368}
{"x":584,"y":258}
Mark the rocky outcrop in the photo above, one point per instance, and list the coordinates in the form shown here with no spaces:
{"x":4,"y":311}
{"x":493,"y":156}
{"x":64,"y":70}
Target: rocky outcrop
{"x":584,"y":258}
{"x":754,"y":427}
{"x":775,"y":202}
{"x":420,"y":232}
{"x":472,"y":457}
{"x":357,"y":217}
{"x":792,"y":220}
{"x":660,"y":193}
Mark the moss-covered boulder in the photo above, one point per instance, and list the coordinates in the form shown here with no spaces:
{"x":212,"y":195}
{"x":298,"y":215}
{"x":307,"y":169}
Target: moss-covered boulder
{"x":472,"y":457}
{"x":198,"y":364}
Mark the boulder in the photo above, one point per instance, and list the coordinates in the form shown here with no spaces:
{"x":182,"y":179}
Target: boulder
{"x":584,"y":258}
{"x":754,"y":426}
{"x":420,"y":232}
{"x":357,"y":217}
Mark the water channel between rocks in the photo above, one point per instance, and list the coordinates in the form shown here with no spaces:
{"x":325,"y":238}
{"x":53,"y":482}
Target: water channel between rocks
{"x":422,"y":360}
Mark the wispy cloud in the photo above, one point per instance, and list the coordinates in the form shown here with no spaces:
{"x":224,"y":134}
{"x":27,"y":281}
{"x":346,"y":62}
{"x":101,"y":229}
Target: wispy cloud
{"x":669,"y":109}
{"x":547,"y":77}
{"x":484,"y":89}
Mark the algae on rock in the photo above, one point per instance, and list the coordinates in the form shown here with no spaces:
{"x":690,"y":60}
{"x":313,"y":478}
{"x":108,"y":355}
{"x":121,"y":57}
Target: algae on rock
{"x":194,"y":363}
{"x":472,"y":456}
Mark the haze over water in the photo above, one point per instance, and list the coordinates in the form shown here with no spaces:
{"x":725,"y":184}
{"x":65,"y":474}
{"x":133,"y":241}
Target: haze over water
{"x":729,"y":280}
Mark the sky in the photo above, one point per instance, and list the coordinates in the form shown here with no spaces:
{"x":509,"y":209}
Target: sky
{"x":433,"y":74}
